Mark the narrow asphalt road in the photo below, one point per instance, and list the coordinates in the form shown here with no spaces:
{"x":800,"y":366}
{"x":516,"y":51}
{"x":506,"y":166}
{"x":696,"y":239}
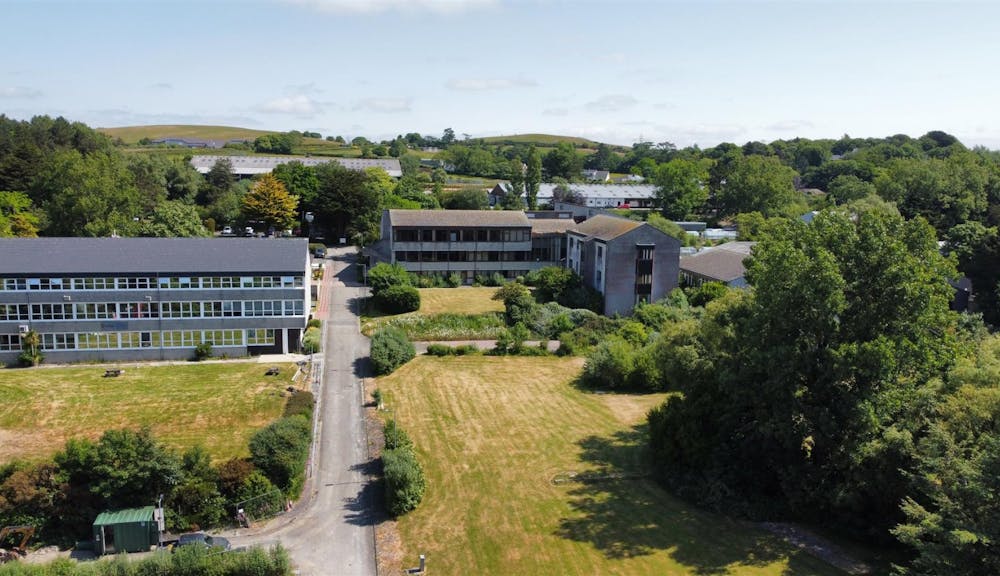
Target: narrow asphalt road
{"x":334,"y":533}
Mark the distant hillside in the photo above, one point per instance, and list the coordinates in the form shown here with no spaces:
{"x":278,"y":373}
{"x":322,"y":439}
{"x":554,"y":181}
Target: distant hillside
{"x":544,"y":140}
{"x":132,"y":134}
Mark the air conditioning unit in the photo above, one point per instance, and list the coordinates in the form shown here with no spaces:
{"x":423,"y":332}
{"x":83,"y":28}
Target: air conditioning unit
{"x":23,"y":328}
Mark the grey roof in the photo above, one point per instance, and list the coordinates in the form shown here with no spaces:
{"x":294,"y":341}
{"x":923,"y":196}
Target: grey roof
{"x":459,"y":218}
{"x":605,"y":228}
{"x":723,"y":263}
{"x":101,"y":256}
{"x":252,"y":165}
{"x":594,"y":191}
{"x":551,"y":226}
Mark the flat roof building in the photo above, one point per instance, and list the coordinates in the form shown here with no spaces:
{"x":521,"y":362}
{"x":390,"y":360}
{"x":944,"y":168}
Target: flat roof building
{"x":722,"y":263}
{"x":111,"y":299}
{"x":249,"y":166}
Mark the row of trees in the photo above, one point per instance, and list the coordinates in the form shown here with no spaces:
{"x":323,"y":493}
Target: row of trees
{"x":841,"y":390}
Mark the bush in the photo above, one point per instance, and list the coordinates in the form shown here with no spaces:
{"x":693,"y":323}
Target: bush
{"x":440,"y":350}
{"x":486,"y":326}
{"x":384,"y":275}
{"x":518,"y":303}
{"x":377,"y":397}
{"x":280,"y":451}
{"x":466,"y":350}
{"x":404,"y":480}
{"x":610,"y":365}
{"x":390,"y":349}
{"x":311,"y":340}
{"x":454,"y":280}
{"x":398,"y":299}
{"x":314,"y":323}
{"x":300,"y":403}
{"x":395,"y":436}
{"x":203,"y":351}
{"x":707,"y":292}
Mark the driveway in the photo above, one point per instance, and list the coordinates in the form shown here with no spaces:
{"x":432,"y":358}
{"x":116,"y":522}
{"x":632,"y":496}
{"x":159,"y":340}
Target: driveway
{"x":331,"y":531}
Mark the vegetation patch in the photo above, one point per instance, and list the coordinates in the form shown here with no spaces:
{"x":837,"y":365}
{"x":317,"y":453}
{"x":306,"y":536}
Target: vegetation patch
{"x":506,"y":427}
{"x":390,"y":349}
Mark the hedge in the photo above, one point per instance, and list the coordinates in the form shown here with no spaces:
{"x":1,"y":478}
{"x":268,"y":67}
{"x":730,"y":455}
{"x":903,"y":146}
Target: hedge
{"x":398,"y":299}
{"x":280,"y":451}
{"x":311,"y":340}
{"x":404,"y":480}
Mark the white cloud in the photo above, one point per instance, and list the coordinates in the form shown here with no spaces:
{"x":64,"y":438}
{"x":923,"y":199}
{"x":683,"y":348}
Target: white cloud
{"x":384,"y":105}
{"x":20,"y":92}
{"x":789,"y":125}
{"x":373,"y":6}
{"x":555,"y":112}
{"x":298,"y":104}
{"x":162,"y":86}
{"x":480,"y":84}
{"x":612,"y":103}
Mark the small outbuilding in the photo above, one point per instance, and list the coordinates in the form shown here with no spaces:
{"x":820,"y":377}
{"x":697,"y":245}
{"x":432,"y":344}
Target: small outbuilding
{"x":130,"y":530}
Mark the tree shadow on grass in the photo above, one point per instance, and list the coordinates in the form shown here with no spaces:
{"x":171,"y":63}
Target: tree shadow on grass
{"x":621,"y":511}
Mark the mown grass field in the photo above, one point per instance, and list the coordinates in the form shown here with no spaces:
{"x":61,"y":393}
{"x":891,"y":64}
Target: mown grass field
{"x":132,"y":134}
{"x":218,"y":405}
{"x":446,"y":314}
{"x":498,"y":438}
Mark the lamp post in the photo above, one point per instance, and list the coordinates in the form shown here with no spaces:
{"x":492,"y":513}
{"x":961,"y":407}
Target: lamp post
{"x":309,"y":220}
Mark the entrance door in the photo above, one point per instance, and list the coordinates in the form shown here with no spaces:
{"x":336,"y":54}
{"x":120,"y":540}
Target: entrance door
{"x":109,"y":539}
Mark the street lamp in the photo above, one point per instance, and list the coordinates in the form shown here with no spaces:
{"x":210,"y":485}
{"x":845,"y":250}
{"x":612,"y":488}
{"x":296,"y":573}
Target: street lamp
{"x":309,"y":220}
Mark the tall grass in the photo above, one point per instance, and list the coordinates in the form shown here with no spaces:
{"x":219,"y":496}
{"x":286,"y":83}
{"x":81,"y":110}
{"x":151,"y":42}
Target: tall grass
{"x":418,"y":327}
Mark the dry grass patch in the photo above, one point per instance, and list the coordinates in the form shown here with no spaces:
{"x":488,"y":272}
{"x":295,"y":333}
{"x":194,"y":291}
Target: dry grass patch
{"x":493,"y":433}
{"x":218,"y":405}
{"x":466,"y":300}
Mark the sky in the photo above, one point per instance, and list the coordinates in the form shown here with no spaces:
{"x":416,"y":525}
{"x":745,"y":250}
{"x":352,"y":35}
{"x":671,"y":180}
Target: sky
{"x":613,"y":71}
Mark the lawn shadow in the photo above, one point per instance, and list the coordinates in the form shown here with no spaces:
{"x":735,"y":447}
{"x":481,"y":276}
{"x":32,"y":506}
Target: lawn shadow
{"x":621,"y":511}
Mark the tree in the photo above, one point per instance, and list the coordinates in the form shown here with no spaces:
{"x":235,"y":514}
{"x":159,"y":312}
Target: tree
{"x":602,"y":159}
{"x":515,"y":173}
{"x":465,"y":199}
{"x":563,"y":161}
{"x":390,"y":349}
{"x":518,"y":302}
{"x":218,"y":181}
{"x":760,"y":184}
{"x":848,"y":188}
{"x":533,"y":178}
{"x":410,"y":164}
{"x":174,"y":219}
{"x":345,"y":204}
{"x":681,"y":187}
{"x":448,"y":137}
{"x":384,"y":275}
{"x":17,"y":218}
{"x":270,"y":203}
{"x":300,"y":180}
{"x":280,"y":451}
{"x":129,"y":468}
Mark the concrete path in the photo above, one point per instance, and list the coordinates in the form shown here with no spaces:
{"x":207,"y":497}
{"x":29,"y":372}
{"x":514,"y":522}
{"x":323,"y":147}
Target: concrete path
{"x":331,"y":530}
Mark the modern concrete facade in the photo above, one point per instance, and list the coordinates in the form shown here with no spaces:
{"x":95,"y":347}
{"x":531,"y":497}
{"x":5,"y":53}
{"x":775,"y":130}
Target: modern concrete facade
{"x":626,"y":261}
{"x":112,"y":299}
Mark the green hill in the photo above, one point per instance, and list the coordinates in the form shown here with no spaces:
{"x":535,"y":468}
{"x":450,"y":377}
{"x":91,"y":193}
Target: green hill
{"x":543,"y":140}
{"x":132,"y":134}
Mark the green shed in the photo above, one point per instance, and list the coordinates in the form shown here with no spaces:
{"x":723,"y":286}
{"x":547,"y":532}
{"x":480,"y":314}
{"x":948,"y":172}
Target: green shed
{"x":131,"y":530}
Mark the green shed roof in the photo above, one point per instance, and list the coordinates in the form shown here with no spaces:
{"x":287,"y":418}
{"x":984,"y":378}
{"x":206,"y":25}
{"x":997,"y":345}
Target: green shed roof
{"x":126,"y":516}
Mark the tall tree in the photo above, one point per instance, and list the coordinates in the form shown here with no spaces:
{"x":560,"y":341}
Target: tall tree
{"x":563,"y":161}
{"x":299,"y":179}
{"x":533,"y":178}
{"x":760,"y":184}
{"x":345,"y":205}
{"x":515,"y":173}
{"x":681,"y":187}
{"x":174,"y":219}
{"x":268,"y":202}
{"x":17,"y":218}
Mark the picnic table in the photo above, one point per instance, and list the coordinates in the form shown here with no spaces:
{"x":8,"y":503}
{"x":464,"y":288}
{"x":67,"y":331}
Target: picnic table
{"x":272,"y":371}
{"x":113,"y":372}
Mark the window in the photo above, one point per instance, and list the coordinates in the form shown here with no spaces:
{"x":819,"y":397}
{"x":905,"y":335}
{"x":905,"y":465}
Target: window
{"x":138,"y":310}
{"x":180,"y":309}
{"x":426,"y":235}
{"x":51,"y":312}
{"x":440,"y":235}
{"x":95,"y":311}
{"x":645,"y":253}
{"x":13,"y":311}
{"x":10,"y":342}
{"x":468,"y":235}
{"x":599,"y":278}
{"x":96,"y":340}
{"x":14,"y":284}
{"x":135,"y":283}
{"x":58,"y":341}
{"x":260,"y":337}
{"x":600,"y":252}
{"x":407,"y":236}
{"x":294,"y":308}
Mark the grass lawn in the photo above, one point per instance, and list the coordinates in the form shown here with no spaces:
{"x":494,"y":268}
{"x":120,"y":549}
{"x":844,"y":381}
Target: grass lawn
{"x":498,"y":438}
{"x":466,"y":313}
{"x":219,"y":405}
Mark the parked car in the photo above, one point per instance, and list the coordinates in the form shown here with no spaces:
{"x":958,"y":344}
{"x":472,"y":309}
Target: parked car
{"x":202,"y":539}
{"x":248,"y":231}
{"x":227,"y":230}
{"x":319,"y":253}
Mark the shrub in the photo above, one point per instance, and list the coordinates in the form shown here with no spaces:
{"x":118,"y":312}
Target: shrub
{"x":377,"y":397}
{"x":384,"y":275}
{"x":466,"y":350}
{"x":610,"y":364}
{"x":314,"y":323}
{"x":311,"y":340}
{"x":398,"y":299}
{"x":404,"y":480}
{"x":440,"y":350}
{"x":232,"y":473}
{"x":707,"y":292}
{"x":395,"y":436}
{"x":280,"y":451}
{"x":202,"y":351}
{"x":300,"y":403}
{"x":454,"y":280}
{"x":390,"y":349}
{"x":518,"y":303}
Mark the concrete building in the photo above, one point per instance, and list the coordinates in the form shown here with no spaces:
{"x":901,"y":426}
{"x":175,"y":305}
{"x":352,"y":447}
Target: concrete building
{"x":250,"y":166}
{"x":722,"y":263}
{"x":626,"y":261}
{"x":587,"y":195}
{"x":112,"y":299}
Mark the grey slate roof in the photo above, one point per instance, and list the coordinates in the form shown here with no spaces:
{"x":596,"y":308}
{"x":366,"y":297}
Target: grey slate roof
{"x":459,"y":218}
{"x":594,"y":191}
{"x":723,"y":263}
{"x":252,"y":165}
{"x":103,"y":256}
{"x":604,"y":227}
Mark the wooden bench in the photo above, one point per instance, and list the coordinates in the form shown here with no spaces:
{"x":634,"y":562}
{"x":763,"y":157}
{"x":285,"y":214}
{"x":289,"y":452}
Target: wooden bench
{"x":272,"y":371}
{"x":113,"y":373}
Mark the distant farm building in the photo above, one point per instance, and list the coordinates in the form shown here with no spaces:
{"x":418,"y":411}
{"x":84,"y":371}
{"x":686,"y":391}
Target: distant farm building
{"x":250,"y":166}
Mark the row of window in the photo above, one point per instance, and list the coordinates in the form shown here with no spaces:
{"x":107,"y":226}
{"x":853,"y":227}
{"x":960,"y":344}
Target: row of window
{"x":462,"y":256}
{"x":138,"y":310}
{"x":463,"y":235}
{"x":149,"y":283}
{"x":129,"y":340}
